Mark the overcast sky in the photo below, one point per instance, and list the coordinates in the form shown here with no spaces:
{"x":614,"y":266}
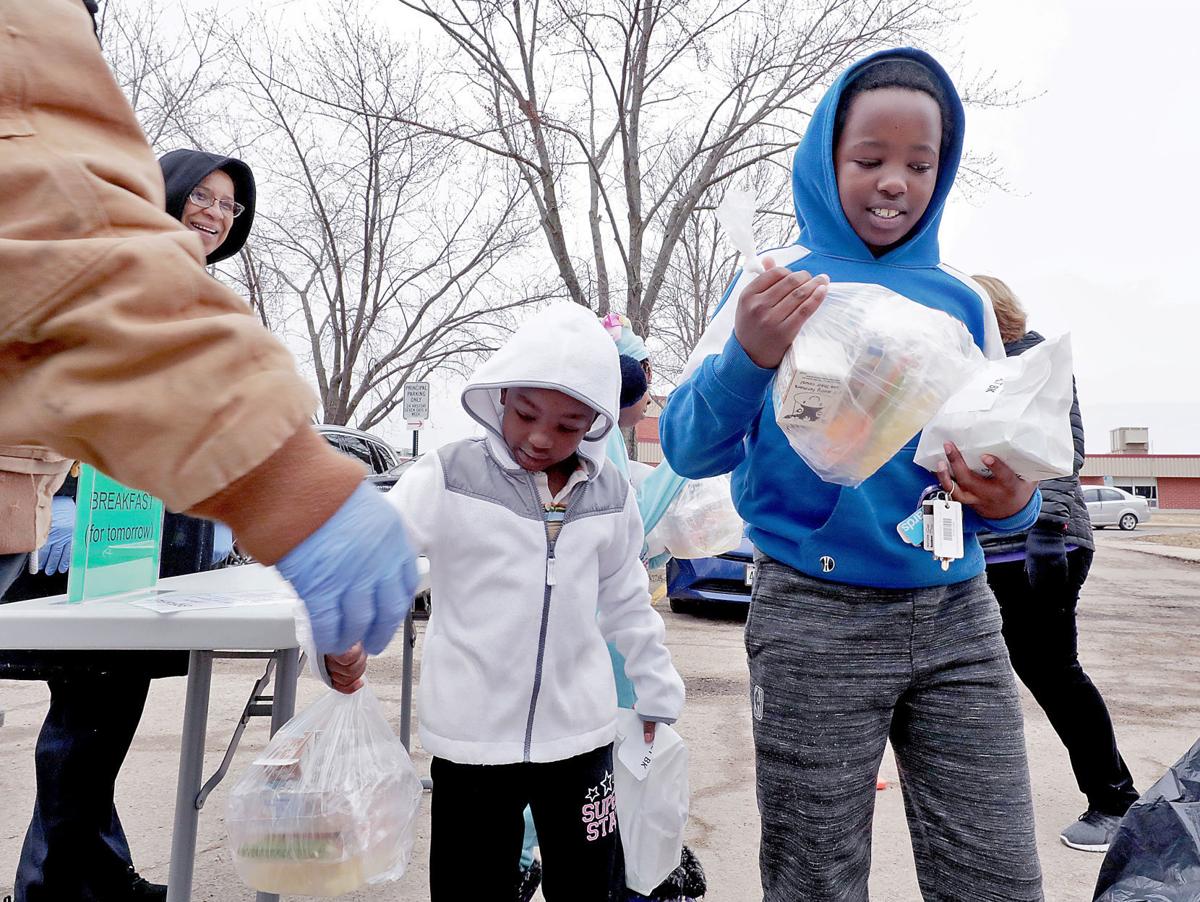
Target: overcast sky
{"x":1095,"y":235}
{"x":1095,"y":238}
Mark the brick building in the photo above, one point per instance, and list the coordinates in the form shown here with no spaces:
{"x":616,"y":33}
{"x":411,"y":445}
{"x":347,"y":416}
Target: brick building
{"x":649,"y":450}
{"x":1167,"y":481}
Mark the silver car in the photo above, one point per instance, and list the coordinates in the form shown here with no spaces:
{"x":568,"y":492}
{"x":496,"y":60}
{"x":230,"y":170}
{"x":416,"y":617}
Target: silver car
{"x":384,"y":465}
{"x":1115,"y":507}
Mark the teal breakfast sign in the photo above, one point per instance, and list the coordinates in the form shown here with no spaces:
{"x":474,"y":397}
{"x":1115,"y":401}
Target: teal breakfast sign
{"x":118,"y":538}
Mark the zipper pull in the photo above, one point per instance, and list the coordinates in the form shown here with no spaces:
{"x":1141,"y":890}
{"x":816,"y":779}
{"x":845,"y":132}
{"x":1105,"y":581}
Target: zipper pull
{"x":550,"y":569}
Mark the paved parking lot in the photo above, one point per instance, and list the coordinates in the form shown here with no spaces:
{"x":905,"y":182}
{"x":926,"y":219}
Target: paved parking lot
{"x":1138,"y":628}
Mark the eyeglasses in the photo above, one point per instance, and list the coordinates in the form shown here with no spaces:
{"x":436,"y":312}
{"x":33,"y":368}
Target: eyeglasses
{"x":203,"y":199}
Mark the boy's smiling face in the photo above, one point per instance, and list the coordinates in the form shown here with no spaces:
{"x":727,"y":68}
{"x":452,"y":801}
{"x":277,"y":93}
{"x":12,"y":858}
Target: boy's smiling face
{"x":886,"y":161}
{"x":543,"y":427}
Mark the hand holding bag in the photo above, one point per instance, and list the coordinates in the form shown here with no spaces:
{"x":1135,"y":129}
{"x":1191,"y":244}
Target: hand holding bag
{"x":1017,"y":409}
{"x":651,"y":787}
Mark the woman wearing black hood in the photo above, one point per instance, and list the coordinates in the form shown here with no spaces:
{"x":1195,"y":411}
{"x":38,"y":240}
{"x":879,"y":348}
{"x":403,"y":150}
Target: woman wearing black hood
{"x":213,"y":196}
{"x":75,"y":847}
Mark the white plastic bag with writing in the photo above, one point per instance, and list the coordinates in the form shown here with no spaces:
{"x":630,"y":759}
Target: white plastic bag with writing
{"x":701,"y":521}
{"x":1017,"y":409}
{"x":651,"y":787}
{"x":329,"y":805}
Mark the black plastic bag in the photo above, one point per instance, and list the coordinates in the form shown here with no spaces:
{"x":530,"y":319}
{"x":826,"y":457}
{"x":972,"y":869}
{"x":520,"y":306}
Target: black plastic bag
{"x":1155,"y":856}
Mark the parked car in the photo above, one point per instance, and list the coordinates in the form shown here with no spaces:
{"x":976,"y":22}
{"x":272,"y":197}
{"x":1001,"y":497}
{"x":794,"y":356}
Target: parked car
{"x":1115,"y":507}
{"x":724,"y":579}
{"x":384,"y":465}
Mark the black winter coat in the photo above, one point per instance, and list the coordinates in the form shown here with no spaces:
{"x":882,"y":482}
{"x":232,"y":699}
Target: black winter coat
{"x":1063,"y":508}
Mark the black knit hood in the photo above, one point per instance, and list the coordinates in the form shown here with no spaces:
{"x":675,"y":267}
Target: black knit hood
{"x":183,"y":170}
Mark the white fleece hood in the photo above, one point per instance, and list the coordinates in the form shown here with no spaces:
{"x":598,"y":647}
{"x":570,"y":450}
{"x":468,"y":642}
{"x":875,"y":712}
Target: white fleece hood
{"x":563,"y":348}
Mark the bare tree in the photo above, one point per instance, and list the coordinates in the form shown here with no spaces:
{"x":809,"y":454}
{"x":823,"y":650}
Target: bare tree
{"x":172,"y":67}
{"x":644,"y":109}
{"x":173,"y":76}
{"x":705,"y":263}
{"x":396,"y":250}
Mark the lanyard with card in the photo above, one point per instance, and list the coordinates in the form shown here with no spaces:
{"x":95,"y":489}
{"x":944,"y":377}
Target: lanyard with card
{"x":936,"y":526}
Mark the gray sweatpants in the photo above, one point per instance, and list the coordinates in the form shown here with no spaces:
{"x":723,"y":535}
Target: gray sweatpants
{"x":838,"y":670}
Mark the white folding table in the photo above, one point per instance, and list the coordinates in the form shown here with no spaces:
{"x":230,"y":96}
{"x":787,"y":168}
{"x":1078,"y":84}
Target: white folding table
{"x":116,"y":625}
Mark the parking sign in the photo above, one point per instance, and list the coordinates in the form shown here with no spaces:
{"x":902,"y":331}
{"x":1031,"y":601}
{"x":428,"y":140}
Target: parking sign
{"x":416,"y":402}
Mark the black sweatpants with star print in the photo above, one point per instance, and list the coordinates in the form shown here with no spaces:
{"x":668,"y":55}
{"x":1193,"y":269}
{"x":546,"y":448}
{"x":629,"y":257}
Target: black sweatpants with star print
{"x":478,"y":826}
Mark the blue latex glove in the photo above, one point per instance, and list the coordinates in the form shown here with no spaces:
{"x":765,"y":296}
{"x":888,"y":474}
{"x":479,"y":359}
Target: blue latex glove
{"x":1046,"y":560}
{"x":222,"y":542}
{"x":55,"y":555}
{"x":356,"y":574}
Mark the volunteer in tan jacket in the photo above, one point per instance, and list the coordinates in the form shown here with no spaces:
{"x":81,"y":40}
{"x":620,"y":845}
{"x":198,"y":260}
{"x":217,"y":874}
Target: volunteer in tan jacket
{"x":75,"y":846}
{"x":117,"y":349}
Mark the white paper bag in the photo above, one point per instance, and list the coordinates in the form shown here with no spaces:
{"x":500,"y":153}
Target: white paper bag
{"x":651,"y":786}
{"x":1017,"y":409}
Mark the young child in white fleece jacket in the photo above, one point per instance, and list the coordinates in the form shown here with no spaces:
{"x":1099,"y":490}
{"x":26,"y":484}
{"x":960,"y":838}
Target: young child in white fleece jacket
{"x":533,"y":540}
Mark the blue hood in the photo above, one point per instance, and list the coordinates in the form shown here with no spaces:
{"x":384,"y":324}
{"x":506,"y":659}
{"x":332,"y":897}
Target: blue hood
{"x":823,"y":226}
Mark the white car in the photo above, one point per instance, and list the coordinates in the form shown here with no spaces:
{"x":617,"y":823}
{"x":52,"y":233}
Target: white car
{"x":1115,"y":507}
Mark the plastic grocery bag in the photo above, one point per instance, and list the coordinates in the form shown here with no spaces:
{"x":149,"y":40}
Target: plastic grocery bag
{"x":330,"y":804}
{"x":701,"y":521}
{"x":866,"y":373}
{"x":651,"y":787}
{"x":1155,"y":856}
{"x":1017,"y":409}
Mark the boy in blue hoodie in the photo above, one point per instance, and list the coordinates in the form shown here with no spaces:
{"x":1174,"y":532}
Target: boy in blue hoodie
{"x":854,"y":636}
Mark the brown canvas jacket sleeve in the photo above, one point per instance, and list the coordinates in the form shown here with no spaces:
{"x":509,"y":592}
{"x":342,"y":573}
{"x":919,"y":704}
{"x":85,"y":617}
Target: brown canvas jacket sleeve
{"x":116,"y":347}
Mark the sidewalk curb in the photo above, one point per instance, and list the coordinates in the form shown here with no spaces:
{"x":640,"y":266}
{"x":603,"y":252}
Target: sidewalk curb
{"x":1175,"y":553}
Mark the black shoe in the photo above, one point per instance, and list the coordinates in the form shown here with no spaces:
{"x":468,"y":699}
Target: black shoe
{"x":686,"y":882}
{"x":142,"y":890}
{"x":531,"y":878}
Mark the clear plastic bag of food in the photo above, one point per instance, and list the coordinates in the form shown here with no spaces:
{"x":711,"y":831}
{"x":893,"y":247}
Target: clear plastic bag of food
{"x":329,"y":806}
{"x":866,"y":373}
{"x":701,"y":521}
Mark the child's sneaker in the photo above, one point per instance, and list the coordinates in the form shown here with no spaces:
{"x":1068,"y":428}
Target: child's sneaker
{"x":684,"y":884}
{"x":531,"y":878}
{"x":1093,"y":832}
